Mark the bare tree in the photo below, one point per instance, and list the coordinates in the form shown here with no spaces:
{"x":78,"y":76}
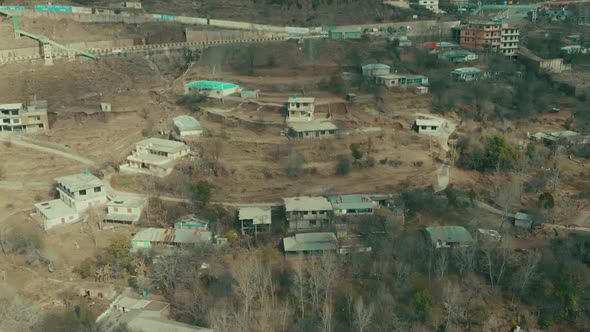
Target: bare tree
{"x":3,"y":239}
{"x":529,"y":269}
{"x":442,"y":263}
{"x":496,"y":258}
{"x":92,"y":223}
{"x":167,"y":272}
{"x":300,"y":283}
{"x":362,"y":315}
{"x":402,"y":270}
{"x":465,"y":259}
{"x":221,"y":317}
{"x":248,"y":277}
{"x":451,"y":298}
{"x":506,"y":196}
{"x":327,"y":314}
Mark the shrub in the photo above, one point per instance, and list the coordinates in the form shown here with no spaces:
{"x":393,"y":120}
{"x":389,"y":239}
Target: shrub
{"x":546,"y":201}
{"x":294,"y":164}
{"x":355,"y":150}
{"x":84,"y":269}
{"x":343,"y":167}
{"x":201,"y":192}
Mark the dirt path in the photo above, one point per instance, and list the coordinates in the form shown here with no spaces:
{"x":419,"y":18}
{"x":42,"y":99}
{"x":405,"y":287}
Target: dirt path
{"x":37,"y":147}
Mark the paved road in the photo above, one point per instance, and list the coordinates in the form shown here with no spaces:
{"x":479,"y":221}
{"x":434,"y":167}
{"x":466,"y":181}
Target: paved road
{"x":17,"y":141}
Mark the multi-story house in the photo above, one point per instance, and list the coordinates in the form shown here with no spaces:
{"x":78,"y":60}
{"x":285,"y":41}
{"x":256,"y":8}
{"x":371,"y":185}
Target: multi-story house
{"x":307,"y":213}
{"x":300,"y":109}
{"x":77,"y":193}
{"x":431,"y":5}
{"x":155,"y":156}
{"x":491,"y":36}
{"x":21,"y":117}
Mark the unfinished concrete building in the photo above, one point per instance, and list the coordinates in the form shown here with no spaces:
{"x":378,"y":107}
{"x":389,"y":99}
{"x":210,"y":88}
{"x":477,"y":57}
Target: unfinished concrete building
{"x":307,"y":213}
{"x":155,"y":156}
{"x":300,"y":109}
{"x":254,"y":220}
{"x":20,"y":117}
{"x":77,"y":193}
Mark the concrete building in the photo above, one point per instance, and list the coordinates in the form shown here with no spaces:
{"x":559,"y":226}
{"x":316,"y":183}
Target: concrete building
{"x":375,"y":69}
{"x":351,"y":204}
{"x":492,"y":36}
{"x":448,"y":236}
{"x":466,"y":74}
{"x":402,"y":80}
{"x":213,"y":89}
{"x":573,"y":49}
{"x":124,"y":211}
{"x":77,"y":193}
{"x":27,"y":118}
{"x":152,"y":321}
{"x":155,"y":156}
{"x":185,"y":125}
{"x":431,"y":5}
{"x":300,"y":109}
{"x":312,"y":129}
{"x":307,"y":213}
{"x":308,"y":243}
{"x":509,"y":41}
{"x":133,"y":4}
{"x":458,"y":56}
{"x":106,"y":107}
{"x":428,"y":126}
{"x":255,"y":220}
{"x":146,"y":238}
{"x":126,"y":304}
{"x":96,"y":290}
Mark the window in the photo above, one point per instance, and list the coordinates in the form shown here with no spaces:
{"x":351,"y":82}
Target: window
{"x":128,"y":210}
{"x":116,"y":209}
{"x":5,"y":120}
{"x":82,"y":192}
{"x":16,"y":121}
{"x":97,"y":189}
{"x":14,"y":112}
{"x":312,"y":222}
{"x":305,"y":213}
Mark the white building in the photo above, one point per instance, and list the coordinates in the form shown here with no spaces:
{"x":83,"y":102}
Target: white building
{"x":300,"y":109}
{"x":155,"y":156}
{"x":185,"y":125}
{"x":77,"y":193}
{"x":431,"y":5}
{"x":124,"y":211}
{"x":426,"y":126}
{"x":27,"y":118}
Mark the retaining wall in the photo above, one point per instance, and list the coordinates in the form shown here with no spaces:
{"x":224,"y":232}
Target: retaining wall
{"x":198,"y":36}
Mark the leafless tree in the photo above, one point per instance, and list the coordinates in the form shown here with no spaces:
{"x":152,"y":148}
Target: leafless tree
{"x":402,"y":270}
{"x":327,"y":314}
{"x":300,"y":284}
{"x":4,"y":239}
{"x":92,"y":224}
{"x":167,"y":272}
{"x":451,"y":299}
{"x":529,"y":269}
{"x":465,"y":258}
{"x":221,"y":317}
{"x":248,"y":280}
{"x":507,"y":194}
{"x":442,"y":263}
{"x":363,"y":315}
{"x":496,"y":258}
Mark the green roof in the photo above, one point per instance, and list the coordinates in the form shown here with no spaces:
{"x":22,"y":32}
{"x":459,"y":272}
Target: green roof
{"x":210,"y":85}
{"x":372,"y":66}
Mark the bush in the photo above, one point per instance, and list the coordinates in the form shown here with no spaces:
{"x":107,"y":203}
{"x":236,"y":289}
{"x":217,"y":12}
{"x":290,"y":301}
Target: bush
{"x":84,"y":269}
{"x":546,"y":201}
{"x":294,"y":164}
{"x":201,"y":192}
{"x":343,"y":167}
{"x":355,"y":150}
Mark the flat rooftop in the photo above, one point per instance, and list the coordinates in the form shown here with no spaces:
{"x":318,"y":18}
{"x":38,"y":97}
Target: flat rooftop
{"x":351,"y":202}
{"x":161,"y":161}
{"x":312,"y":126}
{"x":162,"y":145}
{"x":259,"y":215}
{"x":126,"y":202}
{"x":14,"y":106}
{"x":428,"y":122}
{"x":310,"y":242}
{"x":296,"y":99}
{"x":187,"y":123}
{"x":307,"y":203}
{"x":80,"y":181}
{"x":55,"y":209}
{"x":466,"y":70}
{"x":398,"y":76}
{"x":171,"y":235}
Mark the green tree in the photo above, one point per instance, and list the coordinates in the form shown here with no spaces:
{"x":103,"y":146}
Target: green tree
{"x":500,"y":151}
{"x":201,"y":192}
{"x":546,"y":201}
{"x":355,"y":149}
{"x":337,"y":85}
{"x":422,"y":302}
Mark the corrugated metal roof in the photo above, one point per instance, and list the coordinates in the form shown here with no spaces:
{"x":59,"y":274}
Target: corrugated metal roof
{"x":467,"y":70}
{"x":186,"y":123}
{"x":373,"y":66}
{"x":310,"y":242}
{"x":449,"y":234}
{"x":259,"y":215}
{"x":312,"y":126}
